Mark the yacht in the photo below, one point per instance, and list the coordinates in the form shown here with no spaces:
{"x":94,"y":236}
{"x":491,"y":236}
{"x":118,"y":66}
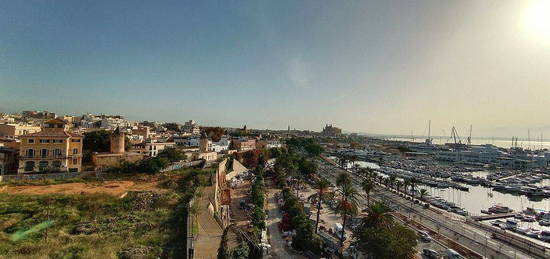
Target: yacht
{"x":522,"y":230}
{"x":533,"y":233}
{"x":545,"y":235}
{"x":499,"y":209}
{"x":529,"y":218}
{"x":511,"y":224}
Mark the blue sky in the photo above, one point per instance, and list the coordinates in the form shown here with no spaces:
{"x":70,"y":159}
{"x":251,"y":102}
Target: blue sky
{"x":370,"y":66}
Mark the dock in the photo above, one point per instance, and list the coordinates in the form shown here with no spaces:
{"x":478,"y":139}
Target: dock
{"x":493,"y":216}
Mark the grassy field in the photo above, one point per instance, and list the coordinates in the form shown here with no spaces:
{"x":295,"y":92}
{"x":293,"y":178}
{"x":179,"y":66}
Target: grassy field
{"x":141,"y":225}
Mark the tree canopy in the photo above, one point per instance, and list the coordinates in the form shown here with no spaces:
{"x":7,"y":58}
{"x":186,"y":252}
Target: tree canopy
{"x":379,"y":236}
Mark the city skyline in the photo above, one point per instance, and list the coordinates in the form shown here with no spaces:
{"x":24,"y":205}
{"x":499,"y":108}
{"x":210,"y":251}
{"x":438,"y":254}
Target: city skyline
{"x":373,"y":67}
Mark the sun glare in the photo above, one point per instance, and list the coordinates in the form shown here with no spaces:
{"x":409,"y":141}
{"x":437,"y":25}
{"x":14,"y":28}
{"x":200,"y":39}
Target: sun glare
{"x":536,"y":19}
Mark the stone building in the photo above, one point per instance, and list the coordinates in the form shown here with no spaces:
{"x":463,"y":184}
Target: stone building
{"x":331,"y":131}
{"x":117,"y":154}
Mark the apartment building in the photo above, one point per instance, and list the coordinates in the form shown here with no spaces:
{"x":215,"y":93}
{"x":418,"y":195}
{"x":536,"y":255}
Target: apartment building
{"x":54,"y":148}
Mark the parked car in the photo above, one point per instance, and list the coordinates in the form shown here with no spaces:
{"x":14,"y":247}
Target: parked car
{"x":430,"y":253}
{"x":424,"y":236}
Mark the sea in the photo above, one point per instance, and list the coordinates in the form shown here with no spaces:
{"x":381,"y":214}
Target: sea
{"x":499,"y":142}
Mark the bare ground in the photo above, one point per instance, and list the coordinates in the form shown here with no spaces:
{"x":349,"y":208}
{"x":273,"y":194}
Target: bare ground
{"x":115,"y":188}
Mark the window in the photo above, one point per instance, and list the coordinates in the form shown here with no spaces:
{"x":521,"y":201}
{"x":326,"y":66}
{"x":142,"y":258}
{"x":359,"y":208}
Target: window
{"x":57,"y":152}
{"x":75,"y":140}
{"x":44,"y":141}
{"x":75,"y":151}
{"x":43,"y":152}
{"x":56,"y":164}
{"x":30,"y":141}
{"x":30,"y":153}
{"x":29,"y":166}
{"x":42,"y":165}
{"x":75,"y":161}
{"x":57,"y":141}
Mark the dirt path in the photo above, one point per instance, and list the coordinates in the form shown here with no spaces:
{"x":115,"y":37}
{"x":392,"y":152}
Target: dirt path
{"x":115,"y":188}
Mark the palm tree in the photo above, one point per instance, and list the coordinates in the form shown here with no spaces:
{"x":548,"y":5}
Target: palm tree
{"x":365,"y":172}
{"x":322,"y":186}
{"x":347,"y":205}
{"x":387,"y":182}
{"x":352,"y":160}
{"x":423,"y":193}
{"x":343,"y":179}
{"x":368,"y":187}
{"x":413,"y":185}
{"x":393,"y":178}
{"x":398,"y":185}
{"x":343,"y":161}
{"x":380,"y":179}
{"x":378,"y":215}
{"x":406,"y":184}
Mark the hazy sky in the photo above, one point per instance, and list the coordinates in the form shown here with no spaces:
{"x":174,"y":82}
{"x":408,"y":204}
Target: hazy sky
{"x":368,"y":66}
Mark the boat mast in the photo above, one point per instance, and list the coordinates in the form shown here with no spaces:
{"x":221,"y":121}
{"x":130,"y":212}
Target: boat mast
{"x":429,"y":140}
{"x":470,"y":137}
{"x":529,"y":138}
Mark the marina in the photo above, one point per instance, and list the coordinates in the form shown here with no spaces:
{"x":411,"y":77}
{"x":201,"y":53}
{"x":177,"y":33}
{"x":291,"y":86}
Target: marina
{"x":503,"y":199}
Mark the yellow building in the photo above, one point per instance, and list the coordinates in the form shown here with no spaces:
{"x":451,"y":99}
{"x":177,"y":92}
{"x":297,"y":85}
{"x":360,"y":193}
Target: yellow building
{"x":52,"y":149}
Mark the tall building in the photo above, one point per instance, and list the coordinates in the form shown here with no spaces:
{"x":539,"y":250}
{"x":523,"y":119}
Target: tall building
{"x":191,"y":127}
{"x":52,"y":149}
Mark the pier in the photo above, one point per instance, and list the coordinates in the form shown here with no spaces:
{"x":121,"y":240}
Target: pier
{"x":493,"y":216}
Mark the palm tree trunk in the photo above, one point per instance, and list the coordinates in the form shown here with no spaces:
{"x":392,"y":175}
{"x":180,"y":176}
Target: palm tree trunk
{"x":318,"y":213}
{"x":368,"y":199}
{"x":343,"y":231}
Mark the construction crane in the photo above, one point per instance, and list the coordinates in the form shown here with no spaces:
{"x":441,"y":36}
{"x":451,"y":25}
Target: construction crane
{"x":457,"y":142}
{"x":455,"y":137}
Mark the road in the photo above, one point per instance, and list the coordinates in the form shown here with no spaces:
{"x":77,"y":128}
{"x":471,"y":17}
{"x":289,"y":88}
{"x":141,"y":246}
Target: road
{"x":448,"y":225}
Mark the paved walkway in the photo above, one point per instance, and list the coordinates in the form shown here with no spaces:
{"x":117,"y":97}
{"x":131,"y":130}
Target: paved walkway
{"x":210,"y":232}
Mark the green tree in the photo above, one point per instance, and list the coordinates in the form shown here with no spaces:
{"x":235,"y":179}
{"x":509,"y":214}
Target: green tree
{"x":423,"y":193}
{"x":378,"y":215}
{"x":380,"y":237}
{"x":258,"y":218}
{"x":321,"y":186}
{"x":398,"y":185}
{"x":97,"y":141}
{"x":343,"y":179}
{"x":392,"y":181}
{"x":307,"y":167}
{"x":413,"y":186}
{"x":347,"y":204}
{"x":368,"y":187}
{"x":172,"y":154}
{"x":241,"y":252}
